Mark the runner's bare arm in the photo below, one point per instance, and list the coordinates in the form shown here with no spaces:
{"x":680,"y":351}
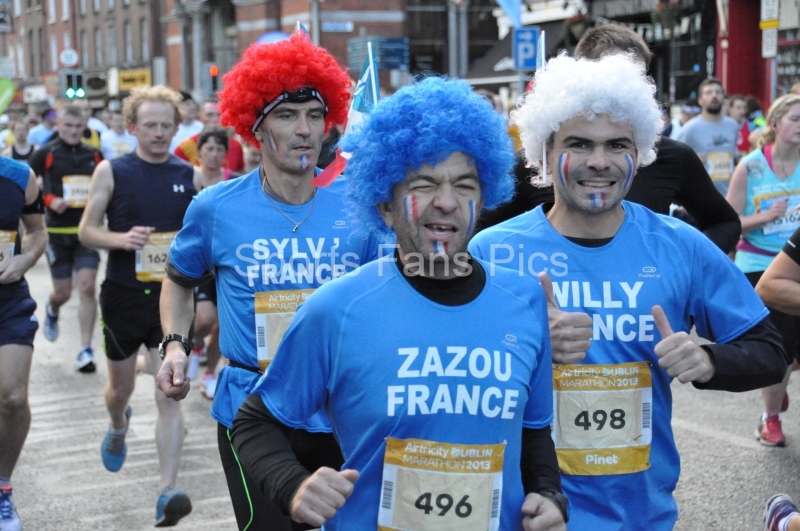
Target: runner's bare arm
{"x":779,"y":286}
{"x":34,"y":238}
{"x":737,"y":195}
{"x":91,"y":235}
{"x":177,"y":310}
{"x":197,"y":180}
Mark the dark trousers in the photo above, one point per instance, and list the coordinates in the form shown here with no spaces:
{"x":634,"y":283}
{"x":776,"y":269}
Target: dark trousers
{"x":254,"y":512}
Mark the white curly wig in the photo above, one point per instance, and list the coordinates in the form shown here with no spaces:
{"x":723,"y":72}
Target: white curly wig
{"x":615,"y":85}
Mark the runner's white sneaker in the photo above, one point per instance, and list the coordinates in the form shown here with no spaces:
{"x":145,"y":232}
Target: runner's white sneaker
{"x":9,"y":519}
{"x":209,"y":385}
{"x":50,"y":325}
{"x":85,"y":360}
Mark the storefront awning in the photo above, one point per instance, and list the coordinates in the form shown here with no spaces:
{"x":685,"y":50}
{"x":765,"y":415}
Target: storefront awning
{"x":497,"y":66}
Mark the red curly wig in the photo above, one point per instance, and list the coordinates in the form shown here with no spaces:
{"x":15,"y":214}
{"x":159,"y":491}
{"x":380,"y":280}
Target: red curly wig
{"x":266,"y":70}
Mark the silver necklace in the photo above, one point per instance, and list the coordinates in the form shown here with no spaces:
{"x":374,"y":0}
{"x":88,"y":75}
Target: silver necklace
{"x":284,"y":214}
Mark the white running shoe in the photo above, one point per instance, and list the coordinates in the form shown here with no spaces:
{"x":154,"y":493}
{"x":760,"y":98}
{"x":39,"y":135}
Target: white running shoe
{"x":85,"y":360}
{"x":209,"y":385}
{"x":9,"y":519}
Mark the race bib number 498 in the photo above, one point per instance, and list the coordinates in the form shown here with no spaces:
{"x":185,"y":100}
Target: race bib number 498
{"x":603,"y":418}
{"x":433,"y":486}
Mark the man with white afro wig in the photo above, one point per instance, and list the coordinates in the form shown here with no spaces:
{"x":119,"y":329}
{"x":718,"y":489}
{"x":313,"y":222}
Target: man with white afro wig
{"x":628,"y":285}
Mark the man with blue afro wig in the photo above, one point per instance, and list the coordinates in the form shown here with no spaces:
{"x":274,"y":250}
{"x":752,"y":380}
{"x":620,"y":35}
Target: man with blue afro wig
{"x":434,"y":374}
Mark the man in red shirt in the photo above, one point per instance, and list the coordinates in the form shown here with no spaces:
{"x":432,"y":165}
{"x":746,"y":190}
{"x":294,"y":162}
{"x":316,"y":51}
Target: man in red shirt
{"x":187,"y":150}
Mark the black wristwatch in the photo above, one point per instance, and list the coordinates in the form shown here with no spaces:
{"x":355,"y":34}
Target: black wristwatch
{"x":559,"y":499}
{"x":162,"y":347}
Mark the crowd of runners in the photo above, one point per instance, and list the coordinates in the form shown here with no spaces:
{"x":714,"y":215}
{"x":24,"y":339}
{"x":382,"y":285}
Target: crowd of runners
{"x":449,"y":336}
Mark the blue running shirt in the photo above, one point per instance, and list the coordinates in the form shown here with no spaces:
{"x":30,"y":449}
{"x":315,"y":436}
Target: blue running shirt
{"x":427,"y":401}
{"x":613,"y":411}
{"x":263,"y":270}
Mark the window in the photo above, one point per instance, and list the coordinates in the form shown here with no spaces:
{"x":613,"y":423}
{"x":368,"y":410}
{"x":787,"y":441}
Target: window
{"x":65,"y":9}
{"x":12,"y":56}
{"x":53,"y":53}
{"x":96,"y":6}
{"x":82,"y":7}
{"x":51,"y":11}
{"x":110,"y":4}
{"x":20,"y":60}
{"x":128,"y":42}
{"x":42,"y":59}
{"x":67,"y":40}
{"x":145,"y":39}
{"x":98,"y":47}
{"x":84,"y":48}
{"x":111,"y":33}
{"x":126,"y":2}
{"x":17,"y":8}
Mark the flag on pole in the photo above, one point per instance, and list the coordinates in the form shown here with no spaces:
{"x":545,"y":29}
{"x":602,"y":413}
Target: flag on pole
{"x":512,"y":10}
{"x":365,"y":97}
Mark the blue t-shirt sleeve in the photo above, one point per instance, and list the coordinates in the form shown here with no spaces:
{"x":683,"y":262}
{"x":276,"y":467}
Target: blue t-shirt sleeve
{"x":723,"y":304}
{"x":539,"y":409}
{"x":190,"y":251}
{"x":296,"y":384}
{"x":475,"y":248}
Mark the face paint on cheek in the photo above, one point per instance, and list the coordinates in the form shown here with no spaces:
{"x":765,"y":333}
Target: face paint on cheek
{"x":563,"y":168}
{"x":439,"y":247}
{"x":410,"y":208}
{"x":473,"y":213}
{"x":272,"y":143}
{"x":597,"y":201}
{"x":629,"y":176}
{"x":304,"y":162}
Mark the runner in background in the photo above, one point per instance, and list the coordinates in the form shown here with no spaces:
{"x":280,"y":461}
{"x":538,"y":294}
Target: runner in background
{"x":20,"y":149}
{"x":65,"y":166}
{"x":738,"y":111}
{"x":210,"y":115}
{"x":189,"y":125}
{"x":117,"y":141}
{"x":765,"y":191}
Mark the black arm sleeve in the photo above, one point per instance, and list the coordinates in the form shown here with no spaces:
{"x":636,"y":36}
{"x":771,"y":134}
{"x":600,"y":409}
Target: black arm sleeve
{"x":182,"y":280}
{"x":37,"y":207}
{"x":264,"y":448}
{"x":539,"y":463}
{"x":754,"y":360}
{"x":697,"y":194}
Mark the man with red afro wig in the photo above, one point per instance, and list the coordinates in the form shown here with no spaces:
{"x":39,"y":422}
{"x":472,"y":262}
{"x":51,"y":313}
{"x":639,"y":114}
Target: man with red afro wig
{"x":270,"y":238}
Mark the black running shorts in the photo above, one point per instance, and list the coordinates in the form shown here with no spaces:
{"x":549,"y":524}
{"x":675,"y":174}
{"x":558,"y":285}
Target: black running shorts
{"x":18,"y":324}
{"x":207,"y":291}
{"x":65,"y":253}
{"x":130,"y":318}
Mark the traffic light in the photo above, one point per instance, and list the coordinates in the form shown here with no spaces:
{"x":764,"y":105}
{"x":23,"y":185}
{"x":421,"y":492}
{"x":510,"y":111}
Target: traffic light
{"x":214,"y":71}
{"x":73,"y":84}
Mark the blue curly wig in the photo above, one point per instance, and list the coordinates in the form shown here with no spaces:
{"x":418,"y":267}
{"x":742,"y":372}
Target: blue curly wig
{"x":424,"y":124}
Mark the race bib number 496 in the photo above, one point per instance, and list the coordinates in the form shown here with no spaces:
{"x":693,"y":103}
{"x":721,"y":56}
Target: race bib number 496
{"x":7,"y":240}
{"x":433,"y":486}
{"x":151,"y":261}
{"x":603,"y":418}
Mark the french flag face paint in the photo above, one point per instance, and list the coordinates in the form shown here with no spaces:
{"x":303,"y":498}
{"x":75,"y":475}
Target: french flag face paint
{"x":563,"y":169}
{"x":304,"y":162}
{"x":473,"y":213}
{"x":410,"y":208}
{"x":272,"y":143}
{"x":439,"y":247}
{"x":597,"y":201}
{"x":629,"y":176}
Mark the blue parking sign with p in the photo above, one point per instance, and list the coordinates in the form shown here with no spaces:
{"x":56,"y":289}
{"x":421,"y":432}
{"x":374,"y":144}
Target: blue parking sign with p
{"x":524,"y":46}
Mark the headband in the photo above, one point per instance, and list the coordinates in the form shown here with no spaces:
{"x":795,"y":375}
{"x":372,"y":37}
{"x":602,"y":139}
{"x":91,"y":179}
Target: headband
{"x":301,"y":96}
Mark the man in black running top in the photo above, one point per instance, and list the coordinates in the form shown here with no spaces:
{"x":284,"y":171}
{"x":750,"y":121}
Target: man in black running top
{"x":144,"y":195}
{"x":65,"y":165}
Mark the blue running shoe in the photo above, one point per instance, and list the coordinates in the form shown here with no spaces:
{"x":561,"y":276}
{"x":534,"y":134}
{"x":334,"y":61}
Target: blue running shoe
{"x":9,"y":519}
{"x":50,"y":325}
{"x":171,"y":507}
{"x":778,"y":507}
{"x":85,"y":360}
{"x":113,"y":449}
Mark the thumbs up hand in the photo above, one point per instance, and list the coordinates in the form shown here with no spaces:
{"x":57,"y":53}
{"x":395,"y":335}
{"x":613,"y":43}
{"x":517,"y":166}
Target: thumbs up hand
{"x":681,"y":357}
{"x":570,"y":332}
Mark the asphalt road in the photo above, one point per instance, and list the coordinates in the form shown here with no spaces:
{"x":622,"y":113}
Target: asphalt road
{"x":60,"y":483}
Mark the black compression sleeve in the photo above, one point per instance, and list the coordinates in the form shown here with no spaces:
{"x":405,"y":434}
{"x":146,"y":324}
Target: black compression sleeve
{"x":754,"y":360}
{"x":264,"y":448}
{"x":37,"y":207}
{"x":792,"y":247}
{"x":539,"y":463}
{"x":184,"y":281}
{"x":701,"y":199}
